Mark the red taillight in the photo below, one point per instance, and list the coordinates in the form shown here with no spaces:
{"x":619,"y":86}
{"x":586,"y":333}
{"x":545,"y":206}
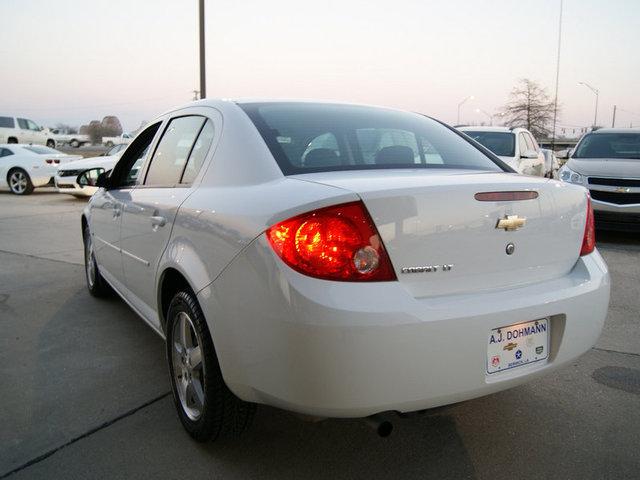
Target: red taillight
{"x":589,"y":239}
{"x":333,"y":243}
{"x":49,"y":161}
{"x":56,"y":161}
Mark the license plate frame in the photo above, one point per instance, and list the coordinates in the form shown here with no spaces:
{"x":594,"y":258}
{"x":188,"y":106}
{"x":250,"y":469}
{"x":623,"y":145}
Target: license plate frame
{"x":517,"y":345}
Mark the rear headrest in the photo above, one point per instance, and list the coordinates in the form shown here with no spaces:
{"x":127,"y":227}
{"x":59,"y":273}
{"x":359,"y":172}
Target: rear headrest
{"x":394,"y":154}
{"x":321,"y":157}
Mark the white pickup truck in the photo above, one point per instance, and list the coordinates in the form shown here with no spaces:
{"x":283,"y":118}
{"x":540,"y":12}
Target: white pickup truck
{"x":62,"y":136}
{"x":123,"y":139}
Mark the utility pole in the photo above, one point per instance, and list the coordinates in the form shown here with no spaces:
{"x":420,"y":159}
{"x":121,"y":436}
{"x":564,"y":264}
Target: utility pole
{"x":596,"y":92}
{"x":464,"y":100}
{"x":203,"y":79}
{"x":555,"y":100}
{"x":613,"y":122}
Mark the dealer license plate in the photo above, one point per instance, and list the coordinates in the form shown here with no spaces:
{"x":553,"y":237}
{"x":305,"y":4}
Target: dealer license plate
{"x":517,"y":345}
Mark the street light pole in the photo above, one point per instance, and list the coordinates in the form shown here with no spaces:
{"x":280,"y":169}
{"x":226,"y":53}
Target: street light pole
{"x":203,"y":79}
{"x":479,"y":110}
{"x":596,"y":92}
{"x":464,"y":100}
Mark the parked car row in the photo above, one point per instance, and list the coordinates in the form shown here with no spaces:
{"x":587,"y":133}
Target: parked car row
{"x":606,"y":162}
{"x":17,"y":130}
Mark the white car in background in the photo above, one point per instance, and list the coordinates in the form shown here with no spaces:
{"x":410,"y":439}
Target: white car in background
{"x":67,"y":175}
{"x":607,"y":162}
{"x":124,"y":139}
{"x":23,"y":130}
{"x":339,"y":261}
{"x":25,"y":167}
{"x":63,"y":137}
{"x":515,"y":146}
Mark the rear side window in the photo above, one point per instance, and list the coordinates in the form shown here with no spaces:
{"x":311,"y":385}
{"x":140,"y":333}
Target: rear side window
{"x":310,"y":137}
{"x":171,"y":154}
{"x":7,"y":122}
{"x":198,"y":153}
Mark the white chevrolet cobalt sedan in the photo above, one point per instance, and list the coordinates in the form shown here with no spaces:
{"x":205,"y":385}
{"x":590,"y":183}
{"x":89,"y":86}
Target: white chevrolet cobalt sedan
{"x":340,"y":261}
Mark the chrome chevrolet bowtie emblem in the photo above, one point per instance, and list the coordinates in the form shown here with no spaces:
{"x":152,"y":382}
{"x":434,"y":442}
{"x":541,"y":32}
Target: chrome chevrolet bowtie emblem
{"x":623,"y":190}
{"x":511,"y":222}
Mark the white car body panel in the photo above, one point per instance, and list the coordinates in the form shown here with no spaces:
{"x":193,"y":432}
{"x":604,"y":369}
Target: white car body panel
{"x":34,"y":164}
{"x":66,"y":183}
{"x":349,"y":349}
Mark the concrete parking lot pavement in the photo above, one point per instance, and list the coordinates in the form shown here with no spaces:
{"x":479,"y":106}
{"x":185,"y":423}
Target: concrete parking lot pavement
{"x":84,"y":390}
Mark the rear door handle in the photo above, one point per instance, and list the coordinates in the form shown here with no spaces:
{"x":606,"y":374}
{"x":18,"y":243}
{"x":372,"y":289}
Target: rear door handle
{"x":158,"y":221}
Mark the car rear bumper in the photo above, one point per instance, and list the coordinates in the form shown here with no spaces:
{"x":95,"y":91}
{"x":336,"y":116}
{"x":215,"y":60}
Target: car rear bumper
{"x":341,"y":349}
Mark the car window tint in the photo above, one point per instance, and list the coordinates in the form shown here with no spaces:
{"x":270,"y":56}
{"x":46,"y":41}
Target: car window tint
{"x":321,"y":151}
{"x":376,"y":144}
{"x":23,"y":124}
{"x":5,"y":152}
{"x":33,"y":126}
{"x":198,"y":153}
{"x":172,"y":152}
{"x":7,"y":122}
{"x":125,"y":173}
{"x":350,"y":137}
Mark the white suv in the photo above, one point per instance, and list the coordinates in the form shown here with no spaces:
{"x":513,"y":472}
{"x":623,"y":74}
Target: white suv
{"x":23,"y":130}
{"x":515,"y":146}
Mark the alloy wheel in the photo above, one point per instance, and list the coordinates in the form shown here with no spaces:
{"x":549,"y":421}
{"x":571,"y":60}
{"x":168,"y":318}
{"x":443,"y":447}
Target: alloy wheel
{"x":18,"y":182}
{"x":188,"y":368}
{"x":89,"y":263}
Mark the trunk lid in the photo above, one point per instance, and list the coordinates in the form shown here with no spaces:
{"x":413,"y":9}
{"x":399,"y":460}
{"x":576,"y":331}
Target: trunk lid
{"x":432,"y":219}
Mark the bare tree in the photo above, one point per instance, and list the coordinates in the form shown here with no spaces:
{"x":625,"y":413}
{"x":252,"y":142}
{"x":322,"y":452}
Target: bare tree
{"x":67,"y":128}
{"x":530,"y":107}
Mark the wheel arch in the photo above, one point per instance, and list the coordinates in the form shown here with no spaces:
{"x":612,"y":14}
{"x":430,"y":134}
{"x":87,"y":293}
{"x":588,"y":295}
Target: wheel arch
{"x":170,"y":282}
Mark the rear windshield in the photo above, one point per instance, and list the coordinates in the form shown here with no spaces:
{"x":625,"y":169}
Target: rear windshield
{"x":609,"y":145}
{"x":502,"y":144}
{"x":41,"y":150}
{"x":310,"y":137}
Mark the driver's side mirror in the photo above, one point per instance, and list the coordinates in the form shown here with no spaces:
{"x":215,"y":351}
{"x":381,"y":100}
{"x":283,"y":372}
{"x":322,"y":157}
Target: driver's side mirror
{"x":92,"y":179}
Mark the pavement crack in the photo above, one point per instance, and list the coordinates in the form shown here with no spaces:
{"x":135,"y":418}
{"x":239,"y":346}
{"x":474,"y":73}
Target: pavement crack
{"x":40,"y":258}
{"x":88,"y":433}
{"x":616,"y":351}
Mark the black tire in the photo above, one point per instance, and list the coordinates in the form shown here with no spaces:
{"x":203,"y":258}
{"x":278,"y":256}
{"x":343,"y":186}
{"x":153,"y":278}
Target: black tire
{"x":19,"y":182}
{"x":51,"y":143}
{"x":97,"y":286}
{"x":74,"y":143}
{"x":12,"y":140}
{"x":222,"y":414}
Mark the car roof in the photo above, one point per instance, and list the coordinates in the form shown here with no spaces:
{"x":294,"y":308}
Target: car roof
{"x":484,"y":128}
{"x":616,"y":130}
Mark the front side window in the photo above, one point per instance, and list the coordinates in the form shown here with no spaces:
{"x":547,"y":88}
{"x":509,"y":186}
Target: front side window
{"x":7,"y":122}
{"x":170,"y":157}
{"x":126,"y":172}
{"x":309,"y":137}
{"x":609,"y":145}
{"x":23,"y":123}
{"x":33,"y":126}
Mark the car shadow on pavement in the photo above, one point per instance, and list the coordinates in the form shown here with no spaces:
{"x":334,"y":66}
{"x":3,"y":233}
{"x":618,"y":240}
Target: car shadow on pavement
{"x":280,"y":442}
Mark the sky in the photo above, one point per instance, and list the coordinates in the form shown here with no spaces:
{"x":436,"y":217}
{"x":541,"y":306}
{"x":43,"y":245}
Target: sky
{"x":72,"y":61}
